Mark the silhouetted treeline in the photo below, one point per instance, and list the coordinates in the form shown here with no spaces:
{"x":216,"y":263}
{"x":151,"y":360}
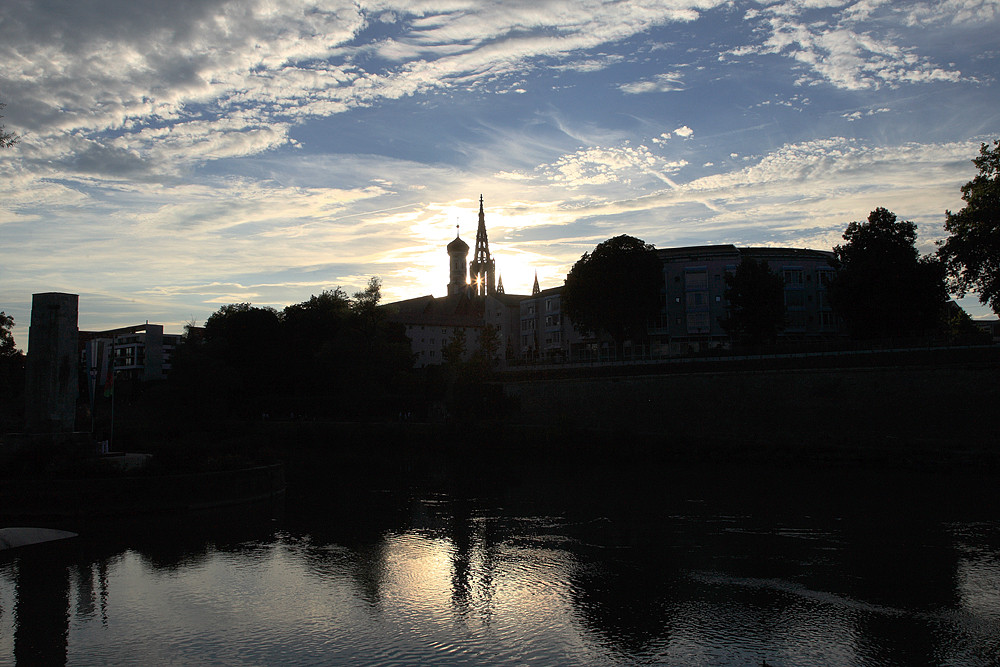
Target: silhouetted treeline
{"x":331,"y":357}
{"x":12,"y":375}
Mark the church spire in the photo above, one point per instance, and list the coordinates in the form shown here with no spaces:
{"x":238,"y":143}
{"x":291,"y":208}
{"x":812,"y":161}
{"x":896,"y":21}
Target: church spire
{"x":534,"y":288}
{"x":482,"y":268}
{"x":500,"y":284}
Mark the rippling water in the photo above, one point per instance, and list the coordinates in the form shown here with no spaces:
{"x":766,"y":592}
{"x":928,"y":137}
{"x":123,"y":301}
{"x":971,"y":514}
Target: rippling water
{"x":622,"y":568}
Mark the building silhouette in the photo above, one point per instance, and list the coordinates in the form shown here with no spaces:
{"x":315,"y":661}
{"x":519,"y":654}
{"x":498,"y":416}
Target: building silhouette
{"x":431,"y":323}
{"x":140,"y":352}
{"x":695,"y":299}
{"x":533,"y":327}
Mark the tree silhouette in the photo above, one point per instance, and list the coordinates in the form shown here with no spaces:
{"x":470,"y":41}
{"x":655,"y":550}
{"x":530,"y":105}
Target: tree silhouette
{"x":454,"y":350}
{"x":616,"y":289}
{"x":331,"y":356}
{"x":972,"y":251}
{"x":756,"y":310}
{"x":243,"y":348}
{"x":7,"y":346}
{"x":314,"y":333}
{"x":12,"y":376}
{"x":884,"y":289}
{"x":7,"y":139}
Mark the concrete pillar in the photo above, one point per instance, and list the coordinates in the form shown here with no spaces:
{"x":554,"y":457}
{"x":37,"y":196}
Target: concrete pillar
{"x":53,"y":364}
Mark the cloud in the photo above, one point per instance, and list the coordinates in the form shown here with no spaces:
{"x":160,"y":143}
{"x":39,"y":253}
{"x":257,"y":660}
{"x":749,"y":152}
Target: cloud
{"x":661,"y":83}
{"x":602,"y":165}
{"x":858,"y":115}
{"x":832,"y":46}
{"x":951,"y":11}
{"x":142,"y":71}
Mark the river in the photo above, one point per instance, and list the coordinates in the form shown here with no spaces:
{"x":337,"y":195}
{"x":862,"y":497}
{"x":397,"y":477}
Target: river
{"x":616,"y":565}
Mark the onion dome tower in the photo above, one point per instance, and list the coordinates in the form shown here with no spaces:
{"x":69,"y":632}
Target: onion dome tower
{"x":482,"y":270}
{"x":458,"y":254}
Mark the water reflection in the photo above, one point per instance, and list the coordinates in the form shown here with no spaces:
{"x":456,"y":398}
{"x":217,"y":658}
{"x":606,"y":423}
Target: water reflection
{"x":641,"y":569}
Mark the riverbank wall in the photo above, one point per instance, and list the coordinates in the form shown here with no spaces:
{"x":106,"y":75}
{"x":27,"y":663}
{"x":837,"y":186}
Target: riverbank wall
{"x":930,"y":412}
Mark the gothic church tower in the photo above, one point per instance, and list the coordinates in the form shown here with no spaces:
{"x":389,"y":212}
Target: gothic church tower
{"x":482,"y":269}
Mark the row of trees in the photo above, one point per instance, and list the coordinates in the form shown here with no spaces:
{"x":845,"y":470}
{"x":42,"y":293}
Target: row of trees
{"x":333,"y":354}
{"x":883,"y":288}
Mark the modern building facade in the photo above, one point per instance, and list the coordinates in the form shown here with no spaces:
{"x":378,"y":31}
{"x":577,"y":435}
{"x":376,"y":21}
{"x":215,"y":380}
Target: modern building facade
{"x":141,"y":352}
{"x":695,"y":303}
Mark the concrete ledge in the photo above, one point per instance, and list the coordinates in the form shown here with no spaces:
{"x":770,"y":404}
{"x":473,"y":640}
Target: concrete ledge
{"x":11,"y":538}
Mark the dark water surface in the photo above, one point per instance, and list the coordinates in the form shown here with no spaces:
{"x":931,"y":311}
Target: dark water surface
{"x":607,"y":567}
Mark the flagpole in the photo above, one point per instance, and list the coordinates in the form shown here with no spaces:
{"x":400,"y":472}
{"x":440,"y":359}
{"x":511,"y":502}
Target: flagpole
{"x":111,"y":362}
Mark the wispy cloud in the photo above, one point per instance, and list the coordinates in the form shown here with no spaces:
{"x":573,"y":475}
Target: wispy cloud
{"x":661,"y":83}
{"x":834,"y":47}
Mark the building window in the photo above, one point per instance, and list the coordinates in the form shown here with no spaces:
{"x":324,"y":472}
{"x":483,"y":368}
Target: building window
{"x":792,"y":276}
{"x":794,"y":299}
{"x":698,"y":322}
{"x":696,"y":279}
{"x":696,"y":300}
{"x":824,"y":277}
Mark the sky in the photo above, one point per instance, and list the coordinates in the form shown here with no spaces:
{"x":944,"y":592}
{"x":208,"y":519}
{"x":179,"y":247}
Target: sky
{"x":176,"y":157}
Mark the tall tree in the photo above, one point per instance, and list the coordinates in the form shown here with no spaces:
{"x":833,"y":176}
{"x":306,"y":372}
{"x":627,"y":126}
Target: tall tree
{"x":616,"y":289}
{"x":7,"y":346}
{"x":454,"y":349}
{"x":243,"y":343}
{"x":884,"y":289}
{"x":972,"y":251}
{"x":11,"y":377}
{"x":756,"y":311}
{"x":315,"y":334}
